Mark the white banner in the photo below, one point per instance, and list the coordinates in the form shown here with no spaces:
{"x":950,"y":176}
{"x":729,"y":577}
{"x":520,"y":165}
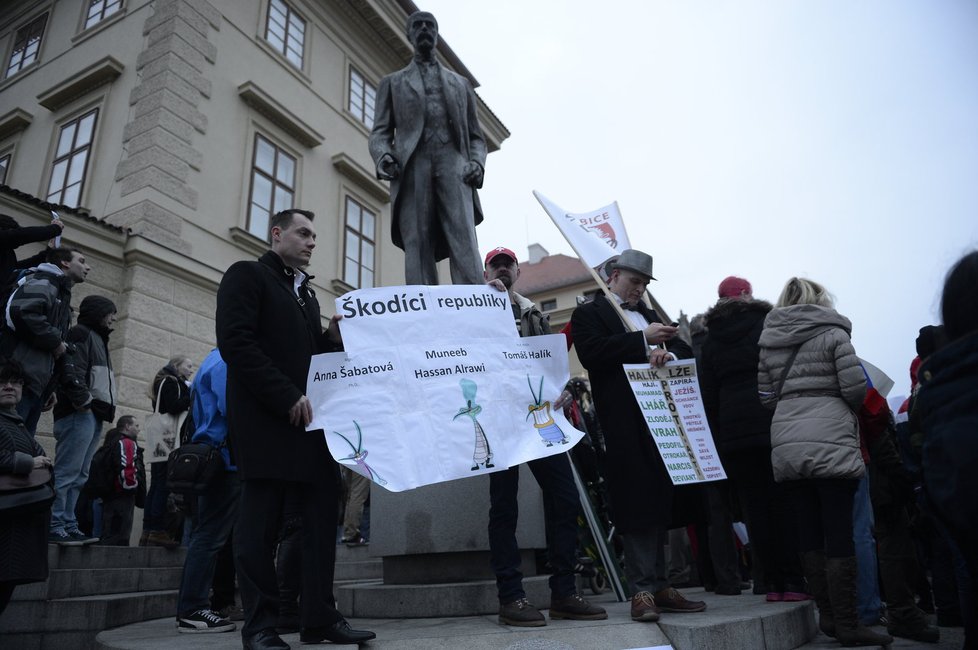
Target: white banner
{"x":672,"y":404}
{"x":388,"y":316}
{"x":596,"y":236}
{"x":414,"y":401}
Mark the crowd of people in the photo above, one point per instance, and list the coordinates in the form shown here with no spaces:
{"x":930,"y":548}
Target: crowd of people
{"x":816,"y":462}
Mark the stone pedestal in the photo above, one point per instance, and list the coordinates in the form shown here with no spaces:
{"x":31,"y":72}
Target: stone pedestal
{"x":437,"y":536}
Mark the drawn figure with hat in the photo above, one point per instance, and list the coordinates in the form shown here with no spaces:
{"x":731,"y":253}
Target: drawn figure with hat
{"x":542,"y":420}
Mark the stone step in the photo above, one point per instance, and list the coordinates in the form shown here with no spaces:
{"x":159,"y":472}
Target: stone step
{"x":86,"y":613}
{"x":359,"y":570}
{"x":729,"y":623}
{"x":95,"y":556}
{"x":68,"y":583}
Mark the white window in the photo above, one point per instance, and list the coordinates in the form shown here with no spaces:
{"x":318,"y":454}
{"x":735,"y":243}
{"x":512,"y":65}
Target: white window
{"x":272,"y":185}
{"x":71,"y":160}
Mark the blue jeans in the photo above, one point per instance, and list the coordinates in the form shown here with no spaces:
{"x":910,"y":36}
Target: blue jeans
{"x":561,"y":505}
{"x":867,"y":574}
{"x":76,"y":439}
{"x":217,"y":511}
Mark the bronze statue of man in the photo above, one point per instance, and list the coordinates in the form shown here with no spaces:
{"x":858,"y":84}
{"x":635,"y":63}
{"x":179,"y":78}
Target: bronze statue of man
{"x":427,"y":142}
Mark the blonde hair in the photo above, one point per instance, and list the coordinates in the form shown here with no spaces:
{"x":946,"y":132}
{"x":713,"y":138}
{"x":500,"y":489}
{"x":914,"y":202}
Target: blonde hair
{"x":154,"y":385}
{"x":800,"y":291}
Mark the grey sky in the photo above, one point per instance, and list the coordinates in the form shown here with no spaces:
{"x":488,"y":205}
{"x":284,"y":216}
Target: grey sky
{"x":832,"y":139}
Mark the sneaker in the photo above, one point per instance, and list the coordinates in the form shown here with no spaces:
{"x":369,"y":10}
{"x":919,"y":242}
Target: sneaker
{"x":61,"y":538}
{"x":81,"y":538}
{"x":796,"y":596}
{"x":670,"y":600}
{"x":521,"y":613}
{"x":204,"y":621}
{"x":231,"y":612}
{"x":576,"y":608}
{"x":358,"y":540}
{"x":644,"y":607}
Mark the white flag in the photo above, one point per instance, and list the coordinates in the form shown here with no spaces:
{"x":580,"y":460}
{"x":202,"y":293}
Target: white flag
{"x":596,"y":236}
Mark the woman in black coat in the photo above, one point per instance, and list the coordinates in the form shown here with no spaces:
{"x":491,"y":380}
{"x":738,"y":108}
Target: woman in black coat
{"x":23,"y":539}
{"x":741,"y":429}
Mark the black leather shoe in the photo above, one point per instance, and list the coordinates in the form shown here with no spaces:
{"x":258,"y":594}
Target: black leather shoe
{"x":336,"y":633}
{"x":265,"y":640}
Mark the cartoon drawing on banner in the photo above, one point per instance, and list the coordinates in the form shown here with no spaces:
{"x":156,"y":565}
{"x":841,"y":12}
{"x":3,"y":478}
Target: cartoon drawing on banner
{"x":360,"y":454}
{"x":483,"y":452}
{"x":542,"y":420}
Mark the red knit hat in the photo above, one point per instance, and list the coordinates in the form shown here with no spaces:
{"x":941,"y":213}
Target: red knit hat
{"x":734,"y":287}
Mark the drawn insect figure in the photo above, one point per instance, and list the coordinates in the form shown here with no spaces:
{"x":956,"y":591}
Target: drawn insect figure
{"x":360,"y":455}
{"x":482,"y":455}
{"x":543,"y":422}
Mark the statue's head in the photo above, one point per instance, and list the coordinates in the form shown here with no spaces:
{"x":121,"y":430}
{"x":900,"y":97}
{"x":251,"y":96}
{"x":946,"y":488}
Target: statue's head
{"x":422,"y":30}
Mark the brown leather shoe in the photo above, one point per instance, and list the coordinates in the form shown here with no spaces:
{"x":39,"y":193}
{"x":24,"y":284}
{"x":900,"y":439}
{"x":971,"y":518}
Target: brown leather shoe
{"x":644,"y":607}
{"x":521,"y":613}
{"x":160,"y":538}
{"x":670,"y":600}
{"x":576,"y":608}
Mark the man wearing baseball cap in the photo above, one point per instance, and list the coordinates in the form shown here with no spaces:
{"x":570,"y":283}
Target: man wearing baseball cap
{"x":639,"y":485}
{"x":553,"y":473}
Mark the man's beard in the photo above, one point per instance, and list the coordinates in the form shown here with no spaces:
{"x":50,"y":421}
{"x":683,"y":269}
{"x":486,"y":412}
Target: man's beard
{"x":506,"y":279}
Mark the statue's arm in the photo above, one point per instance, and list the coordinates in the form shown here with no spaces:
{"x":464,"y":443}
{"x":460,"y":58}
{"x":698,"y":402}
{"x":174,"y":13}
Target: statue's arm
{"x":475,"y":168}
{"x":381,"y":141}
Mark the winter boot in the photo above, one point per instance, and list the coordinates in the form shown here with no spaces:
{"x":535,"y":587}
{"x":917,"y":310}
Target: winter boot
{"x":813,"y":565}
{"x":841,"y":575}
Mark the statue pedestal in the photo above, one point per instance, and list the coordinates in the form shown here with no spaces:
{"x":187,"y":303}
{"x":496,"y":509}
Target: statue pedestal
{"x":437,"y":537}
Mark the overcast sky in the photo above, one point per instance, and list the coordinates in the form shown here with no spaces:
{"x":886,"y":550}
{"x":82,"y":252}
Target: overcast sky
{"x":831,"y":139}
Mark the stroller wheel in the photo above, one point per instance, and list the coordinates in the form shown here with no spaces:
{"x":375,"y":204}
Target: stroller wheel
{"x":598,"y":584}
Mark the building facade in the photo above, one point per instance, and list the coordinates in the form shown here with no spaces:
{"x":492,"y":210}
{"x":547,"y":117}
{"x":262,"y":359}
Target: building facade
{"x":166,"y":132}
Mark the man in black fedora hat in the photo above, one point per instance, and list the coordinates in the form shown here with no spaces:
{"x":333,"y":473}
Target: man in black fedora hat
{"x":639,"y":485}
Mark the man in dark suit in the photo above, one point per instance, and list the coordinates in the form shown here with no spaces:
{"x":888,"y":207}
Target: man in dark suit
{"x":268,"y":328}
{"x":639,"y":485}
{"x":427,"y":142}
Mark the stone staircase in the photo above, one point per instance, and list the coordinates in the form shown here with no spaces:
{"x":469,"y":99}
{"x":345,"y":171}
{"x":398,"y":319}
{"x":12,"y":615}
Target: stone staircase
{"x":95,"y":588}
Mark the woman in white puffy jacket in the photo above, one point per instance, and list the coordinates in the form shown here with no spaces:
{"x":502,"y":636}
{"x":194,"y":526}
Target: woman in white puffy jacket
{"x":809,"y":373}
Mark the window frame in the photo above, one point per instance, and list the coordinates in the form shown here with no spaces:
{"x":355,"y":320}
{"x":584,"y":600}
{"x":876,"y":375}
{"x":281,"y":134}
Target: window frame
{"x":283,"y":51}
{"x":70,"y":155}
{"x":7,"y":156}
{"x":367,"y":120}
{"x":548,"y":305}
{"x":103,"y":16}
{"x":253,"y":169}
{"x":361,"y":237}
{"x":45,"y":17}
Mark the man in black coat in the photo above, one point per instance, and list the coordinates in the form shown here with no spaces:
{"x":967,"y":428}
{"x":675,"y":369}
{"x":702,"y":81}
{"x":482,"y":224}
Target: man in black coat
{"x":268,"y":328}
{"x":638,"y":483}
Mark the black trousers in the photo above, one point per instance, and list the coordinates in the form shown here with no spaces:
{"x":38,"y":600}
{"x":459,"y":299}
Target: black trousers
{"x":255,"y":537}
{"x":823,"y":514}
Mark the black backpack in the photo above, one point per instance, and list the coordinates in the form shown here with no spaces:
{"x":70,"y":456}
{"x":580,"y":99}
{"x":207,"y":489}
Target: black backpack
{"x":103,"y":471}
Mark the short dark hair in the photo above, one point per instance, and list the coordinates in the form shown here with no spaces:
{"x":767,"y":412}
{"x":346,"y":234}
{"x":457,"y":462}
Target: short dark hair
{"x":283,"y":218}
{"x":959,"y":301}
{"x":125,"y":421}
{"x":7,"y":222}
{"x":11,"y":369}
{"x":59,"y":256}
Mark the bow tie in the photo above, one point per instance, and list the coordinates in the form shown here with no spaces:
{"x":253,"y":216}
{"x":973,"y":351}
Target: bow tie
{"x":629,"y":306}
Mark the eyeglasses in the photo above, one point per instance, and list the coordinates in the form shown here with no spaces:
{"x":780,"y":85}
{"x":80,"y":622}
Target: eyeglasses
{"x":13,"y":381}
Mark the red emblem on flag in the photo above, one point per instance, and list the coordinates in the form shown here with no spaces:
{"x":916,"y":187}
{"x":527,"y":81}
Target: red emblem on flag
{"x":606,"y":232}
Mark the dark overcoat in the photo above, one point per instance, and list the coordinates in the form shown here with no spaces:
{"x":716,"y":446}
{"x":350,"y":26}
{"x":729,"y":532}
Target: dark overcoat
{"x":638,"y":482}
{"x":267,"y":336}
{"x":728,"y":376}
{"x":23,"y":539}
